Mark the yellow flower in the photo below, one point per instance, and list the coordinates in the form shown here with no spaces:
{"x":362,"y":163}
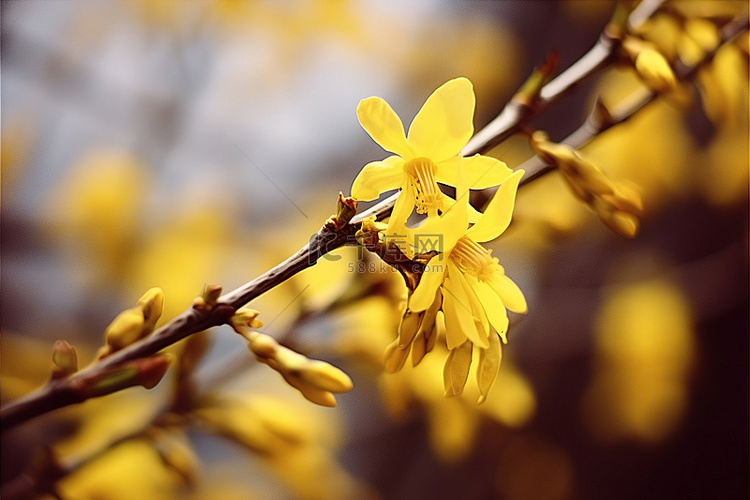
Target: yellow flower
{"x":428,"y":155}
{"x":474,"y":289}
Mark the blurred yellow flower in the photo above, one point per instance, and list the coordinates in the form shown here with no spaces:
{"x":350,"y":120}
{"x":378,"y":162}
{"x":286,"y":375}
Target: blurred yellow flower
{"x":645,"y":350}
{"x":428,"y":155}
{"x":617,"y":205}
{"x":98,"y":209}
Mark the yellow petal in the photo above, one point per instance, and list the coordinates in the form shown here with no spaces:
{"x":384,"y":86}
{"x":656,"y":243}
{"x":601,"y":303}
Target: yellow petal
{"x":461,"y":303}
{"x":474,"y":214}
{"x":396,"y":230}
{"x":318,"y":396}
{"x":408,"y":327}
{"x":428,"y":332}
{"x":425,"y":293}
{"x":451,"y":224}
{"x":394,"y":357}
{"x":418,"y":348}
{"x":494,"y":308}
{"x":481,"y":171}
{"x":458,"y":318}
{"x":384,"y":126}
{"x":487,"y":367}
{"x":497,"y":216}
{"x":377,"y":177}
{"x":508,"y":292}
{"x":481,"y":322}
{"x":456,"y":369}
{"x":445,"y":123}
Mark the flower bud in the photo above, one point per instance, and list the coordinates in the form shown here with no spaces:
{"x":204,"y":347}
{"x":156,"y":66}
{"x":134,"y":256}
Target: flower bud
{"x":211,"y":294}
{"x":655,"y":71}
{"x":346,"y":208}
{"x":368,"y":232}
{"x":245,"y":317}
{"x":65,"y":359}
{"x":315,"y":379}
{"x":263,"y":346}
{"x":327,"y":377}
{"x":318,"y":396}
{"x":152,"y":305}
{"x":125,"y":329}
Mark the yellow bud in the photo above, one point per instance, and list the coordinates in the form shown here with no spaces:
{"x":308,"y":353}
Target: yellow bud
{"x":245,"y":317}
{"x":587,"y":176}
{"x":211,"y":294}
{"x":368,"y":232}
{"x":655,"y":71}
{"x":318,"y":396}
{"x":583,"y":176}
{"x":704,"y":32}
{"x":626,"y":199}
{"x":125,"y":329}
{"x":263,"y":346}
{"x":623,"y":223}
{"x":327,"y":377}
{"x":152,"y":305}
{"x":65,"y":359}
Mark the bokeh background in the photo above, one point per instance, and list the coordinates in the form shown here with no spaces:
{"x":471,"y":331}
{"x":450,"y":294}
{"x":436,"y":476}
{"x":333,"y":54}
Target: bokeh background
{"x":175,"y":143}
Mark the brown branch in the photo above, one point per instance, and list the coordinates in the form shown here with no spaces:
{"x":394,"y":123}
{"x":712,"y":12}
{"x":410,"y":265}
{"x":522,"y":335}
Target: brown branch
{"x":596,"y":124}
{"x":515,"y":114}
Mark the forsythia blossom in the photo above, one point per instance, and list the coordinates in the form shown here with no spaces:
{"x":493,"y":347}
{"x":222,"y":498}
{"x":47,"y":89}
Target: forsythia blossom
{"x":471,"y":290}
{"x":461,"y":279}
{"x":428,"y":155}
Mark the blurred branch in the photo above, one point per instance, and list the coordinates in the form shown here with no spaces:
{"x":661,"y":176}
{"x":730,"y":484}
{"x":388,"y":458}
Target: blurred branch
{"x":515,"y":113}
{"x":600,"y":120}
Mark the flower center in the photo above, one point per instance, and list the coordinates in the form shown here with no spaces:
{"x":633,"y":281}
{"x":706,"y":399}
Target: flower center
{"x":429,"y":198}
{"x":473,"y":258}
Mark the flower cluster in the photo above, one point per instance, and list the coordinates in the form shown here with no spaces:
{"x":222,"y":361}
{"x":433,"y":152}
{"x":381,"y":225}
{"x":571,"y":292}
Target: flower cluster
{"x":463,"y":290}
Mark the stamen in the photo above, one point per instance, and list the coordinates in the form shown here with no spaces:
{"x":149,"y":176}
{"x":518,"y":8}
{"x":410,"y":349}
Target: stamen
{"x":429,"y":198}
{"x":473,"y":258}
